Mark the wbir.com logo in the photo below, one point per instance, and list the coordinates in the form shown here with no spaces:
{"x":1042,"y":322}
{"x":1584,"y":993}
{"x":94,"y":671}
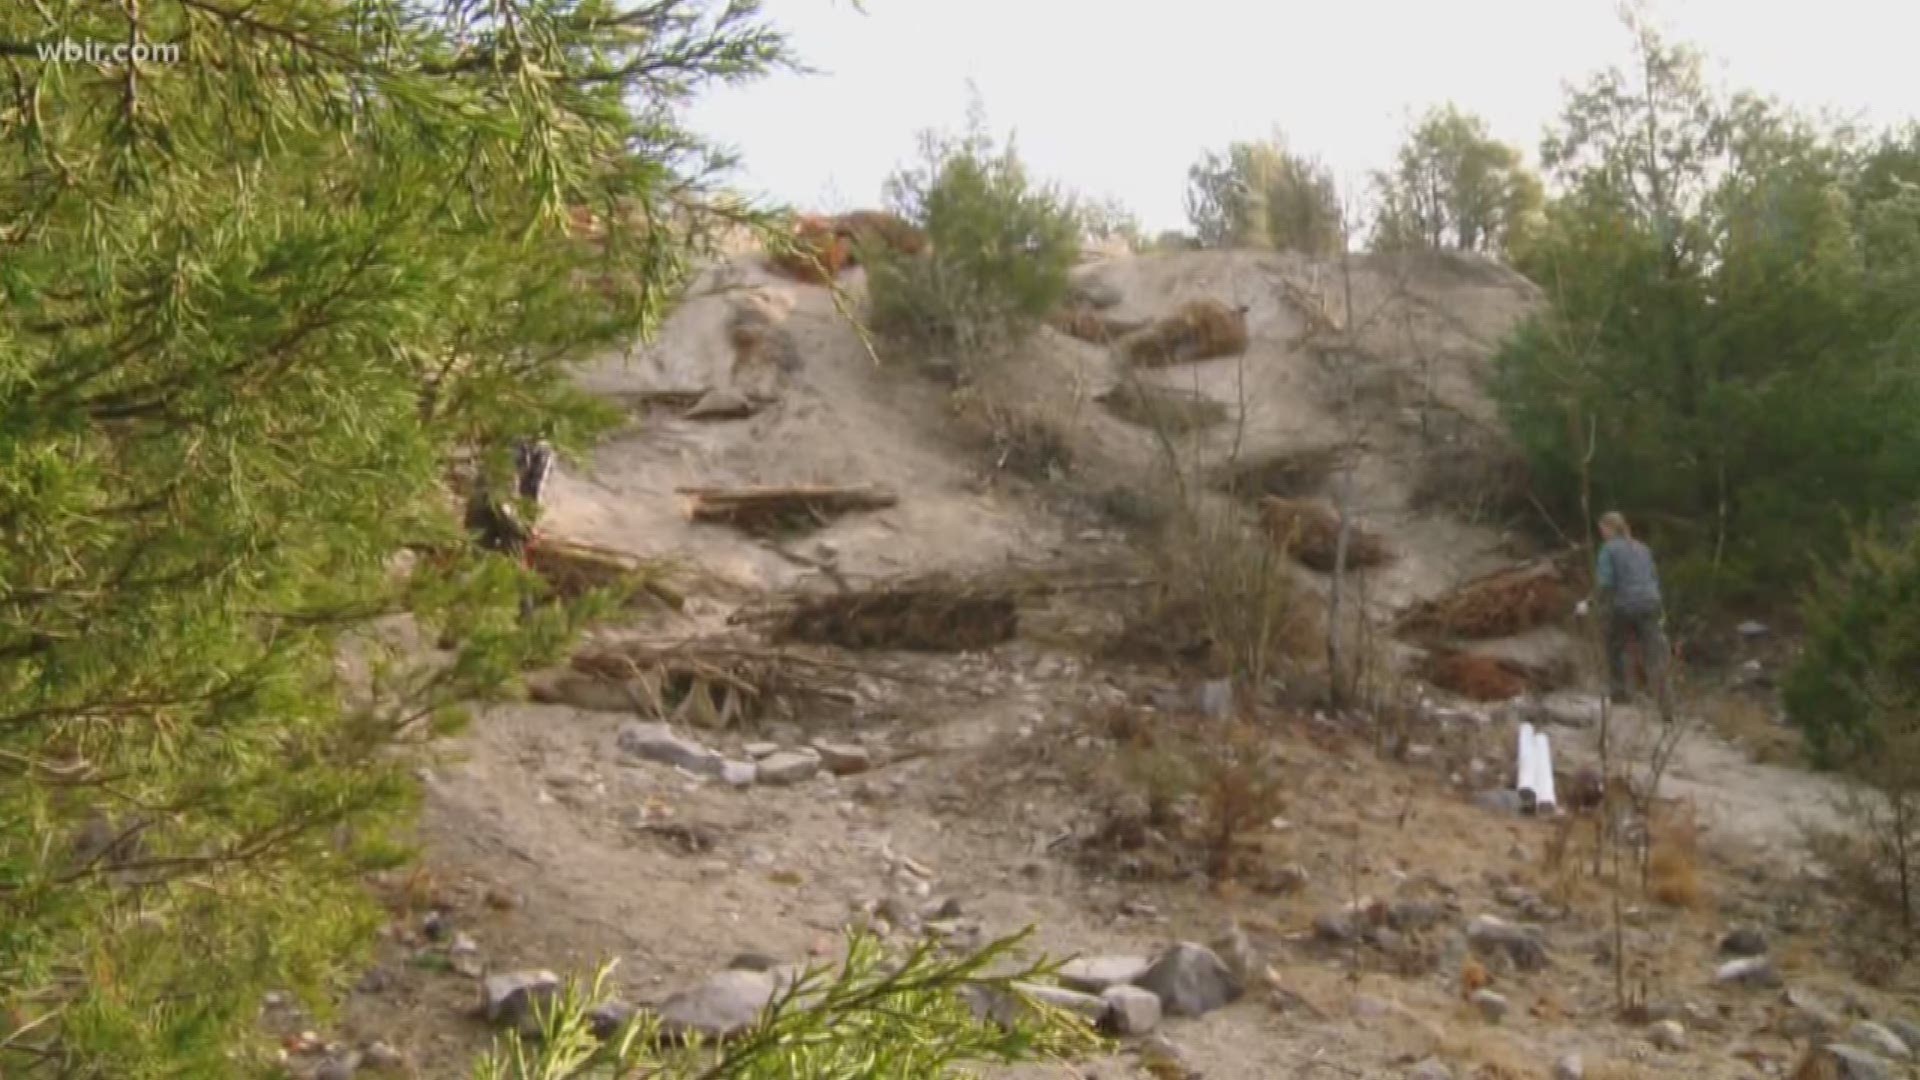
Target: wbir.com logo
{"x":69,"y":51}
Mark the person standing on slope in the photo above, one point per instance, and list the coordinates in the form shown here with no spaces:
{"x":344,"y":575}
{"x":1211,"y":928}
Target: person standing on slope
{"x":1628,"y":585}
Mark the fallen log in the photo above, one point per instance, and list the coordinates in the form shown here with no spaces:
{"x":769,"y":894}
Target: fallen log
{"x":573,"y":569}
{"x":707,"y":684}
{"x":770,"y":510}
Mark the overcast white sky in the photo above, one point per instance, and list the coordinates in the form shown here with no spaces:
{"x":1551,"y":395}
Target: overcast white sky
{"x":1117,"y":99}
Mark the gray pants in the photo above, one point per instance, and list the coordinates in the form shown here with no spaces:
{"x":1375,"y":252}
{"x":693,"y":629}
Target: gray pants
{"x":1640,"y":625}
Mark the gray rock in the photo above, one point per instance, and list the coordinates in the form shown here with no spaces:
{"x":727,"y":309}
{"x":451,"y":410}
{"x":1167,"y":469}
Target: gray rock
{"x":1190,"y":980}
{"x":1416,"y":914}
{"x":723,"y":1006}
{"x":1908,"y":1032}
{"x":1744,"y":942}
{"x":1491,"y":1005}
{"x":1131,"y":1011}
{"x":1237,"y":952}
{"x":758,"y":750}
{"x":1569,"y":1067}
{"x":752,"y":961}
{"x":609,"y":1018}
{"x":1519,"y":945}
{"x":1750,"y":629}
{"x":509,"y":999}
{"x":1096,"y":293}
{"x":739,"y":773}
{"x":1338,"y":927}
{"x":338,"y":1068}
{"x":788,"y":767}
{"x":1751,"y":971}
{"x":1569,"y":709}
{"x":1214,"y":698}
{"x":1853,"y":1063}
{"x":1283,"y":880}
{"x":655,"y":741}
{"x":1669,"y":1035}
{"x":1430,"y":1069}
{"x":1499,"y":801}
{"x":1878,"y":1039}
{"x":844,"y":759}
{"x":1807,"y":1017}
{"x":1095,"y":974}
{"x":382,"y":1058}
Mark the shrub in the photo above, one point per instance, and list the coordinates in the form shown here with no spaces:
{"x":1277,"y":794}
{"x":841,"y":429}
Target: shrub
{"x":1861,"y":660}
{"x":1001,"y":249}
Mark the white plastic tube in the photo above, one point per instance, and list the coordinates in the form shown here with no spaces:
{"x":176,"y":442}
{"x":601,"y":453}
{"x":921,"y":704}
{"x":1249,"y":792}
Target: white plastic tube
{"x":1542,"y":761}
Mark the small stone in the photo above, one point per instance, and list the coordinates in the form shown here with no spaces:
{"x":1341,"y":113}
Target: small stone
{"x":380,"y":1057}
{"x":1190,"y":980}
{"x":338,"y":1068}
{"x":752,"y":961}
{"x":1751,"y":628}
{"x":1094,"y":975}
{"x":436,"y":925}
{"x":1880,"y":1040}
{"x":463,"y":945}
{"x":1430,"y":1069}
{"x":1851,"y":1063}
{"x":501,"y":900}
{"x":1491,"y":1005}
{"x":1745,"y":942}
{"x":1752,"y":971}
{"x":946,"y":910}
{"x":1669,"y":1035}
{"x":738,"y":773}
{"x":758,"y":750}
{"x":1415,"y":914}
{"x":1499,"y":801}
{"x":844,"y":759}
{"x":788,"y":767}
{"x":656,"y":742}
{"x":721,"y":1007}
{"x":1570,"y":709}
{"x":1569,"y":1067}
{"x":1338,"y":927}
{"x":1283,"y":880}
{"x":509,"y":998}
{"x":1131,"y":1011}
{"x":1520,"y":945}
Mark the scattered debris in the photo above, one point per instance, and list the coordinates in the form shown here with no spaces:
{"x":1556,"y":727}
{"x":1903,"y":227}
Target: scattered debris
{"x":1174,"y":411}
{"x":1477,"y":678}
{"x":1281,"y":474}
{"x":710,"y":684}
{"x":1197,"y":330}
{"x":1501,"y":604}
{"x":772,"y":511}
{"x":1309,"y":530}
{"x":1089,"y":325}
{"x":572,"y":569}
{"x":934,"y":614}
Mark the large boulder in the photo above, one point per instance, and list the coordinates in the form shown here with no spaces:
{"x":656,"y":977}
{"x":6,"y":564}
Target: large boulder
{"x":1190,"y":980}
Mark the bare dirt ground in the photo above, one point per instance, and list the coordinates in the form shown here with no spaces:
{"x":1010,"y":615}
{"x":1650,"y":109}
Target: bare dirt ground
{"x":550,"y":847}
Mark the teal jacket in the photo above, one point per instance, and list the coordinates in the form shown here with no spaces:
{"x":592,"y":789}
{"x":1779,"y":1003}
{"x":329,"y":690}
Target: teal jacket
{"x":1625,"y":576}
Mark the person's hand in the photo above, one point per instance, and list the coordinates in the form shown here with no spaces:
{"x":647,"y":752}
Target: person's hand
{"x":1580,"y":610}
